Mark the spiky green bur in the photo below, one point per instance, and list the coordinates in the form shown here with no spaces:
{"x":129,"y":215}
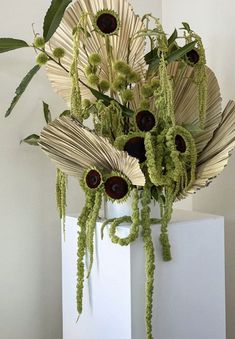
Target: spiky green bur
{"x":133,"y":77}
{"x":42,"y":59}
{"x":119,"y":83}
{"x":93,"y":79}
{"x":127,"y":95}
{"x":39,"y":42}
{"x":86,"y":103}
{"x":147,"y":91}
{"x":59,"y":53}
{"x":104,"y":85}
{"x":94,"y":59}
{"x":122,"y":68}
{"x":88,"y":70}
{"x":145,"y":104}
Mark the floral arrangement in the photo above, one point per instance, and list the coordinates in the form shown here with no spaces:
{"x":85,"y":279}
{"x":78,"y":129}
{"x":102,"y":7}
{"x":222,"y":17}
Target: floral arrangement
{"x":159,"y":132}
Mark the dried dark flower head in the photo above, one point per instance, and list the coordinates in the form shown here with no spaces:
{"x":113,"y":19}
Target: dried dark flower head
{"x":145,"y":120}
{"x":116,"y":187}
{"x":106,"y":22}
{"x":180,"y":144}
{"x":93,"y":179}
{"x":193,"y":57}
{"x":135,"y":147}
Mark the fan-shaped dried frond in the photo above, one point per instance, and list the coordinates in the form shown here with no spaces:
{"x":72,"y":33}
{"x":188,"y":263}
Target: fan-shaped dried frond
{"x":186,"y":102}
{"x":215,"y":156}
{"x":74,"y":149}
{"x":130,"y":24}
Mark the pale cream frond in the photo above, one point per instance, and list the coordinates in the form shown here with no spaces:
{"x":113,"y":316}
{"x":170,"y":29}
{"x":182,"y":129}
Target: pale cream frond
{"x":186,"y":102}
{"x":74,"y":149}
{"x":130,"y":25}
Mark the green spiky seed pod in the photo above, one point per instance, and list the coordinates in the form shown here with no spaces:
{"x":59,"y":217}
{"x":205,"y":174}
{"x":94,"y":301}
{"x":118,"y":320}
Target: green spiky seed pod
{"x":59,"y":53}
{"x":88,"y":70}
{"x":145,"y":104}
{"x":42,"y":59}
{"x":127,"y":95}
{"x":93,"y":79}
{"x":119,"y":83}
{"x":147,"y":91}
{"x":86,"y":103}
{"x":39,"y":42}
{"x":104,"y":85}
{"x":133,"y":77}
{"x":122,"y":67}
{"x":94,"y":59}
{"x":155,"y":83}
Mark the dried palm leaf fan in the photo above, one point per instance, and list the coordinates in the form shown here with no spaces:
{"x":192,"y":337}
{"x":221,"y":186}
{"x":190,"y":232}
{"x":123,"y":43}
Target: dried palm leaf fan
{"x":159,"y":131}
{"x":129,"y":24}
{"x":74,"y":149}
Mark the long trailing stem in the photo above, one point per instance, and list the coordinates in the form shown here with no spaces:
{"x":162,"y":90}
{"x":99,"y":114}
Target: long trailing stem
{"x":134,"y":228}
{"x":81,"y":251}
{"x":91,"y":223}
{"x":75,"y":92}
{"x":110,"y":61}
{"x":149,"y":259}
{"x":164,"y":238}
{"x":61,"y":189}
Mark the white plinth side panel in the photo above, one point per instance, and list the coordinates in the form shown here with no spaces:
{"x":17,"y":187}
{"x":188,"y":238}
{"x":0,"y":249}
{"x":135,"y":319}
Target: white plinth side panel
{"x":189,"y":299}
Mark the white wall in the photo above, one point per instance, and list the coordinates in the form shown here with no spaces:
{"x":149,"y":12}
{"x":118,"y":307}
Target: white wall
{"x":30,"y":278}
{"x":30,"y":251}
{"x":214,"y":21}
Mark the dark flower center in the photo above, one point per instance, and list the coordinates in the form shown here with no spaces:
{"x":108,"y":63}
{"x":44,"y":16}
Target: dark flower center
{"x":193,"y":56}
{"x":93,"y":179}
{"x":180,"y":144}
{"x":135,"y":147}
{"x":107,"y":23}
{"x":116,"y":187}
{"x":145,"y":121}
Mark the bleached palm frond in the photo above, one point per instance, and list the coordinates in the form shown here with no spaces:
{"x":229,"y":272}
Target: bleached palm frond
{"x":186,"y":102}
{"x":215,"y":156}
{"x":130,"y":24}
{"x":74,"y":149}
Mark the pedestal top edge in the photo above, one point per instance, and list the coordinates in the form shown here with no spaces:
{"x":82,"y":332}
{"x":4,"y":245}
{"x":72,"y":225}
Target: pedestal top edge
{"x":179,"y":216}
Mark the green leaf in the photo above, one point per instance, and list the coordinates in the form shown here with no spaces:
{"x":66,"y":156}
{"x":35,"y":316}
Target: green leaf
{"x":107,"y":100}
{"x":22,"y":87}
{"x":151,"y":56}
{"x":179,"y":53}
{"x":193,"y":128}
{"x":153,"y":60}
{"x":53,"y":17}
{"x":31,"y":140}
{"x":47,"y":112}
{"x":173,"y":37}
{"x":66,"y":113}
{"x":186,"y":27}
{"x":9,"y":44}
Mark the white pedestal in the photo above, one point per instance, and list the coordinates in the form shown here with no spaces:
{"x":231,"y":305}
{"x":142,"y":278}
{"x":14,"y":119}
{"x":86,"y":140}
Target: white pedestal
{"x":189,"y":300}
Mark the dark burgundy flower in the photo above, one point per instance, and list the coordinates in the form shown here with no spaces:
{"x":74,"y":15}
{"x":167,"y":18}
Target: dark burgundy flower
{"x":145,"y":121}
{"x":107,"y":23}
{"x":116,"y":187}
{"x":180,"y":144}
{"x":93,"y":179}
{"x":135,"y":147}
{"x":193,"y":56}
